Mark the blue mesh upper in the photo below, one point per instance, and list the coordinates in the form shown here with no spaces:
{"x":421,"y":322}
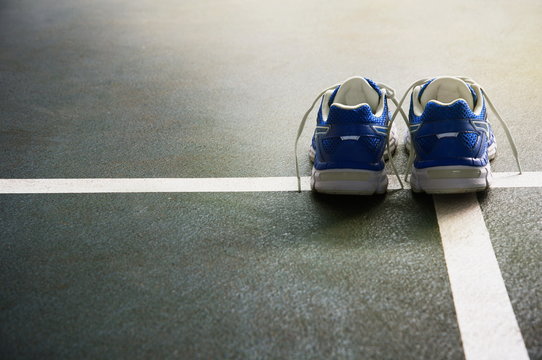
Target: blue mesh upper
{"x":372,"y":142}
{"x":427,"y":142}
{"x":330,"y":144}
{"x":469,"y":138}
{"x":458,"y":110}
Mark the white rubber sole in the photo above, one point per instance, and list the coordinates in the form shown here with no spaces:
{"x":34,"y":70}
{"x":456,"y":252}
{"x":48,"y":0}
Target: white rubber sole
{"x":349,"y":181}
{"x":451,"y":179}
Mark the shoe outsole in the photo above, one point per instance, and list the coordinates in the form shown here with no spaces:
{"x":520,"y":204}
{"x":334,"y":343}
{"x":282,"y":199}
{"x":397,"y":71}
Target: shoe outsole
{"x":349,"y":181}
{"x":451,"y":179}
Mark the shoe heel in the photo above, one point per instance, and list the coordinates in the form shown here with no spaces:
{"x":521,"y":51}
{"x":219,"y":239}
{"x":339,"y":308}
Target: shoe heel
{"x":349,"y":181}
{"x":451,"y":179}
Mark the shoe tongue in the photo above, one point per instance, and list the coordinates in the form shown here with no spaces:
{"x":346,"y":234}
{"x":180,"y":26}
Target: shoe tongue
{"x":356,"y":91}
{"x":446,"y":90}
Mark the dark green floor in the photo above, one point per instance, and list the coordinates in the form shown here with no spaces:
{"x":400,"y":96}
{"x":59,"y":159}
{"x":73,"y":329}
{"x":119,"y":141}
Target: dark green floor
{"x":514,"y":220}
{"x":223,"y":275}
{"x":216,"y":89}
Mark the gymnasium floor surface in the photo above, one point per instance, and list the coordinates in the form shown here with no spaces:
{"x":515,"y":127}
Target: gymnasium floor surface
{"x":169,"y":267}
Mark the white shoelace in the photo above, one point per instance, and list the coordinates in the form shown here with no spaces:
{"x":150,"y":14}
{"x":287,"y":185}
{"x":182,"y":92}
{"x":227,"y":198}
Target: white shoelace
{"x":388,"y":92}
{"x":486,"y":98}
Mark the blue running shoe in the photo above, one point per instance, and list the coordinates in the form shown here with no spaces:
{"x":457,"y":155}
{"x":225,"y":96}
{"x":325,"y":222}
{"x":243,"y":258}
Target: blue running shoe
{"x":349,"y":143}
{"x":450,"y":140}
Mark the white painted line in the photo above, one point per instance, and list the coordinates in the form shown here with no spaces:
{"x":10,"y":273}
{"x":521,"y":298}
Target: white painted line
{"x":57,"y":186}
{"x":248,"y":184}
{"x":488,"y":326}
{"x":512,"y":179}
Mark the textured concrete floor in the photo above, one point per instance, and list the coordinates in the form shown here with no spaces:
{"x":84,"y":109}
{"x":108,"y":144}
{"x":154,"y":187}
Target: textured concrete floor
{"x":216,"y":89}
{"x":214,"y":275}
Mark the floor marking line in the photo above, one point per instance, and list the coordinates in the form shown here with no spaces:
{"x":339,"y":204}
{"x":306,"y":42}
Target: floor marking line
{"x":512,"y":179}
{"x":144,"y":185}
{"x":486,"y":320}
{"x":246,"y":184}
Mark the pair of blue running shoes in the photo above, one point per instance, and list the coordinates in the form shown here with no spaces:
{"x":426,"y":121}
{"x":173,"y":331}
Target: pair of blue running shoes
{"x":450,"y":140}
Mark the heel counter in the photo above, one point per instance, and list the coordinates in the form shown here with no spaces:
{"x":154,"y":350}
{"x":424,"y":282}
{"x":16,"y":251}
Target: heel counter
{"x":450,"y":134}
{"x":364,"y":151}
{"x":466,"y":146}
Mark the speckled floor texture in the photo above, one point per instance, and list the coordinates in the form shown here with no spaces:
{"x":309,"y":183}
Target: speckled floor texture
{"x":152,"y":89}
